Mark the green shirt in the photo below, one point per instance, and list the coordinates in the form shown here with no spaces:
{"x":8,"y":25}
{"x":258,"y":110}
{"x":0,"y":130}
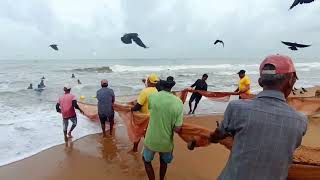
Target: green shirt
{"x":166,"y":113}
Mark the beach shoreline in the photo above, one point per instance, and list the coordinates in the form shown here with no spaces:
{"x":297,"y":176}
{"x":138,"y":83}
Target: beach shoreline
{"x":92,"y":156}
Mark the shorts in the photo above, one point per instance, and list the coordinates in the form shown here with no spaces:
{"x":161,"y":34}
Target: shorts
{"x":148,"y":156}
{"x":105,"y":118}
{"x":66,"y":122}
{"x":195,"y":96}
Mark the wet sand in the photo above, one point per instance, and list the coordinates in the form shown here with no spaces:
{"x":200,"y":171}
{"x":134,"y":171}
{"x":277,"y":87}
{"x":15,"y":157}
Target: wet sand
{"x":93,"y":157}
{"x":96,"y":158}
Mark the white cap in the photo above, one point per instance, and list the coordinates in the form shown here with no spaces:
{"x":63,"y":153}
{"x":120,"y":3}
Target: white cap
{"x":67,"y":86}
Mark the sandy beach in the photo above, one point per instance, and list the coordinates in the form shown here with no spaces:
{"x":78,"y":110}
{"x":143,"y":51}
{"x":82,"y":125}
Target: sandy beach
{"x":93,"y":157}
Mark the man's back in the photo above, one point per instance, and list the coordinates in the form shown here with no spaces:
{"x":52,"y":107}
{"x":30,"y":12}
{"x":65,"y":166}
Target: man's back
{"x":166,"y":112}
{"x":67,"y":109}
{"x":267,"y":131}
{"x":105,"y":98}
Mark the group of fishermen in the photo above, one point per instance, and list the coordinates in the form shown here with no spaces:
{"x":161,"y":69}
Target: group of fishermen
{"x":266,"y":130}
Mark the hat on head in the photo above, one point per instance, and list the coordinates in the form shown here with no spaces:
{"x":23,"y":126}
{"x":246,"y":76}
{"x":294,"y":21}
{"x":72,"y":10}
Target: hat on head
{"x":153,"y":78}
{"x":170,"y":78}
{"x":282,"y":64}
{"x":104,"y":82}
{"x":241,"y":72}
{"x":67,"y":86}
{"x":169,"y":83}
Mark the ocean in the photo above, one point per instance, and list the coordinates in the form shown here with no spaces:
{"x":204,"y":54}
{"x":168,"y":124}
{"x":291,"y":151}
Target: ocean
{"x":30,"y":124}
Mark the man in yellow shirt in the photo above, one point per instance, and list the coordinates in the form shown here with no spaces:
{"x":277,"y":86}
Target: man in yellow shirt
{"x":244,"y":84}
{"x":142,"y":102}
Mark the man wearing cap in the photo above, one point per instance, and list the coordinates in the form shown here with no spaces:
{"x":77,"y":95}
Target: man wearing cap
{"x":142,"y":102}
{"x":106,"y":98}
{"x":166,"y":117}
{"x":244,"y":84}
{"x":66,"y":106}
{"x":266,"y":130}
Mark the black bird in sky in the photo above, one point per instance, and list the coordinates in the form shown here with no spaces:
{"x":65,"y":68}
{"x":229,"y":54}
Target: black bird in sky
{"x":128,"y":38}
{"x":54,"y":46}
{"x":294,"y":46}
{"x":219,"y":41}
{"x":296,"y":2}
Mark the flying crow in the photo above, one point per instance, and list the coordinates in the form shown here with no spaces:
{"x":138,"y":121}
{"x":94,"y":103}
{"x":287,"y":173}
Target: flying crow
{"x":219,"y":41}
{"x":127,"y":39}
{"x":296,"y":2}
{"x":294,"y":46}
{"x":54,"y":46}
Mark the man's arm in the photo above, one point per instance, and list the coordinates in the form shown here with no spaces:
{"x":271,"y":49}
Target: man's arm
{"x":141,"y":100}
{"x":237,"y":90}
{"x":58,"y":108}
{"x":247,"y":88}
{"x":227,"y":127}
{"x":136,"y":107}
{"x":179,"y":121}
{"x":76,"y":106}
{"x":194,"y":84}
{"x":177,"y":129}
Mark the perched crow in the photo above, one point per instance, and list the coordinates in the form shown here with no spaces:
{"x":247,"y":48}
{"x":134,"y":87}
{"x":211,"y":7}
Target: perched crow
{"x":54,"y":46}
{"x":127,"y":39}
{"x":294,"y":46}
{"x":296,"y":2}
{"x":219,"y":41}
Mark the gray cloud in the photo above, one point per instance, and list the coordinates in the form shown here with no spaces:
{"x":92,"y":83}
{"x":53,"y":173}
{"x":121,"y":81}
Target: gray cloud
{"x":172,"y":28}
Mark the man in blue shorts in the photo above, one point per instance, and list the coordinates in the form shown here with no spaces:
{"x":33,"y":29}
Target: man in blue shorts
{"x":166,"y":117}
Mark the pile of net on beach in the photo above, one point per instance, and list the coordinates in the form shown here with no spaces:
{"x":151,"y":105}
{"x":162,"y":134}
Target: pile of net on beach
{"x":305,"y":158}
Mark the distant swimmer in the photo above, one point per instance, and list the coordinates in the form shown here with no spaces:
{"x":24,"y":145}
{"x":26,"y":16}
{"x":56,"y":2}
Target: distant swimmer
{"x":219,"y":41}
{"x":54,"y":46}
{"x":66,"y":106}
{"x":294,"y":46}
{"x":128,"y":38}
{"x":41,"y":85}
{"x":296,"y":2}
{"x":79,"y":82}
{"x":73,"y":76}
{"x":200,"y":84}
{"x":304,"y":90}
{"x":244,"y":84}
{"x":43,"y":77}
{"x":30,"y":86}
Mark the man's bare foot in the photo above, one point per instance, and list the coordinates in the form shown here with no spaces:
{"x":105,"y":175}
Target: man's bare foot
{"x":69,"y":135}
{"x":104,"y":135}
{"x":189,"y":112}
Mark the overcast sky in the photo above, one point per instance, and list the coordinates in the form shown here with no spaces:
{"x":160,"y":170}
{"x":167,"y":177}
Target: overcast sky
{"x":172,"y":28}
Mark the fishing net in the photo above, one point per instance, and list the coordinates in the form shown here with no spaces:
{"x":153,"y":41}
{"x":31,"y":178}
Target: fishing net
{"x":305,"y":158}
